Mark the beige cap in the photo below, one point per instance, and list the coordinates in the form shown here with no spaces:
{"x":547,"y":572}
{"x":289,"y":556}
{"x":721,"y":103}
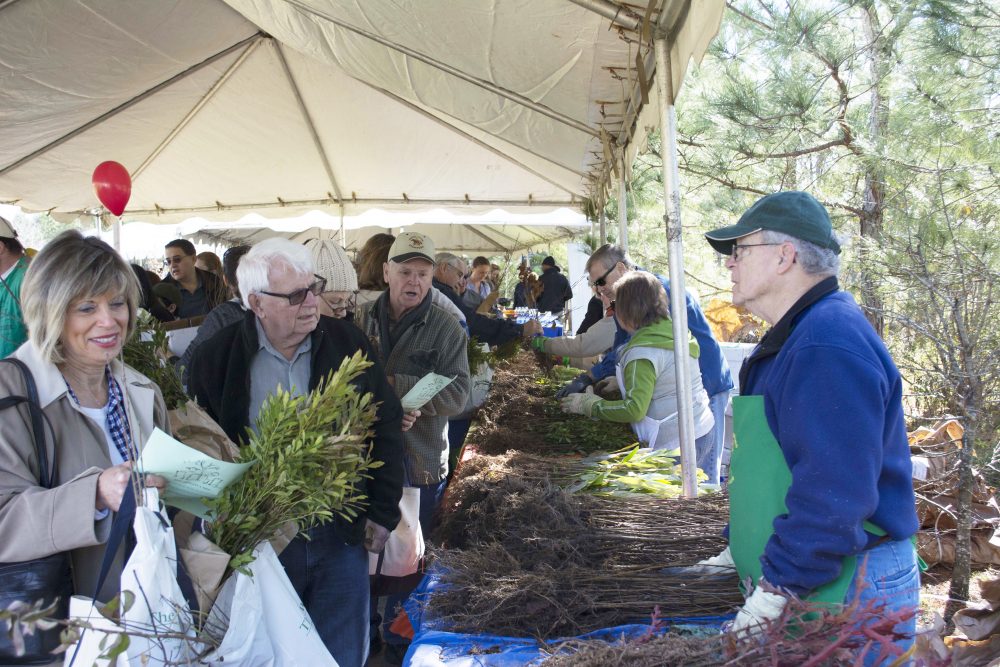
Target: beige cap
{"x":411,"y":245}
{"x":7,"y":229}
{"x":331,"y":262}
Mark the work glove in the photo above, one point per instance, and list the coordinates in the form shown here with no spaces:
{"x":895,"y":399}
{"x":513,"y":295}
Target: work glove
{"x":760,"y":608}
{"x":538,"y":343}
{"x":531,"y":328}
{"x":580,"y":404}
{"x":375,"y":537}
{"x":575,"y":386}
{"x":716,"y":566}
{"x":607,"y":386}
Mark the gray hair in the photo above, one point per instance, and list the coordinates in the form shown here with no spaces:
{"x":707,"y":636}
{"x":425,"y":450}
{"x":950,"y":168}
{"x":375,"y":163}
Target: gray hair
{"x":447,"y":258}
{"x":252,"y":273}
{"x":608,"y":255}
{"x":69,"y":268}
{"x":815,"y":261}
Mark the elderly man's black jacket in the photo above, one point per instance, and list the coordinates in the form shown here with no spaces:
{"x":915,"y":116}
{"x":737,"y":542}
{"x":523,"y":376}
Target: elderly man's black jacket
{"x":220,"y":383}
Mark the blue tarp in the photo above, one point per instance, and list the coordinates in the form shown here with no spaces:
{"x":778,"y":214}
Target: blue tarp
{"x":433,"y":645}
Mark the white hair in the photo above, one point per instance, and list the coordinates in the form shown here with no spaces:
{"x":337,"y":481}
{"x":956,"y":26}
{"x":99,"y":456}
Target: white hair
{"x":447,"y":258}
{"x":252,"y":273}
{"x":815,"y":260}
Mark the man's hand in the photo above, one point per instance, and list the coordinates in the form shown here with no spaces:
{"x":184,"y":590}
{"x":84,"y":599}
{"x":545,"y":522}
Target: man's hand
{"x":530,"y":328}
{"x":409,"y":418}
{"x":576,"y":385}
{"x":581,"y":404}
{"x":761,"y":608}
{"x":375,"y":536}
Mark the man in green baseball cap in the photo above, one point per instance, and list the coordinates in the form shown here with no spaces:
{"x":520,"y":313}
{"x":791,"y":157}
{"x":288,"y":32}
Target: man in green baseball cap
{"x":795,"y":213}
{"x":820,"y":475}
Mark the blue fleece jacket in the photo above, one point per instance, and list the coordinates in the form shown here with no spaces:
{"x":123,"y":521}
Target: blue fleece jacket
{"x":715,"y":375}
{"x":833,"y":400}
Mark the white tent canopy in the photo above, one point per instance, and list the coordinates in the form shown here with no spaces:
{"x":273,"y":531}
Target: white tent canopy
{"x":493,"y":233}
{"x":278,"y":107}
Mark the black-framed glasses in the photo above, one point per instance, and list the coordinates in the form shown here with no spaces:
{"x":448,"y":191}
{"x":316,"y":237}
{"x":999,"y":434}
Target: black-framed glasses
{"x":737,"y":247}
{"x":298,"y":296}
{"x":603,"y":280}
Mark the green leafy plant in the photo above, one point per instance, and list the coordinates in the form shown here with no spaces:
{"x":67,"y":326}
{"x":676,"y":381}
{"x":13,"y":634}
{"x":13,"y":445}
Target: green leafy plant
{"x":310,"y":454}
{"x":147,"y":351}
{"x":477,"y":356}
{"x":633,"y":470}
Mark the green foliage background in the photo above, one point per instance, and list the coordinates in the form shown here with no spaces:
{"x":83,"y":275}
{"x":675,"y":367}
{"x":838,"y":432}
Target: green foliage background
{"x":887,"y":111}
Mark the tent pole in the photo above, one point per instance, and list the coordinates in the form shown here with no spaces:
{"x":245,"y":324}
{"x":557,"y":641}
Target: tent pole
{"x":610,"y":10}
{"x":675,"y":247}
{"x":484,"y":145}
{"x":205,"y":99}
{"x":454,"y":71}
{"x":116,"y":234}
{"x":326,"y":201}
{"x":622,"y":208}
{"x":603,"y":221}
{"x":343,"y":232}
{"x":129,"y":103}
{"x":310,"y":125}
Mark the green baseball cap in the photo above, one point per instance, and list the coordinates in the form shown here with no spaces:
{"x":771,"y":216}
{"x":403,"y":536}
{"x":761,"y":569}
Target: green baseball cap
{"x":794,"y":213}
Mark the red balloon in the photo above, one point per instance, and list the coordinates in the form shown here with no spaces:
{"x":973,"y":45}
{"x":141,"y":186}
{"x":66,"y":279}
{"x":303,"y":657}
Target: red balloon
{"x":113,"y":186}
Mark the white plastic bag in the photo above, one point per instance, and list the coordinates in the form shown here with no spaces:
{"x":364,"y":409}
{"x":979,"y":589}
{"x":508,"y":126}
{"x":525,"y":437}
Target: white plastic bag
{"x":405,"y":547}
{"x":265,"y":623}
{"x":158,"y":605}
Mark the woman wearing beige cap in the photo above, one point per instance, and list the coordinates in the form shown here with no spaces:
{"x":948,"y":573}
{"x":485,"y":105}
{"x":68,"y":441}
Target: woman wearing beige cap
{"x":341,"y":291}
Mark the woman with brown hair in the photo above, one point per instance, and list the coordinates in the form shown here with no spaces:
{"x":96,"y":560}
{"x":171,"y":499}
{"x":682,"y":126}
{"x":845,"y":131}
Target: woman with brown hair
{"x":645,"y":372}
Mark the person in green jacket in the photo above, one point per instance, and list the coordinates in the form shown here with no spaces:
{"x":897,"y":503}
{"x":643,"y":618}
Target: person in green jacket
{"x":645,"y":372}
{"x":13,"y":264}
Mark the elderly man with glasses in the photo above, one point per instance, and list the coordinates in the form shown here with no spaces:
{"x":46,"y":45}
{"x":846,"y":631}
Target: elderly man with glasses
{"x":284,"y":341}
{"x":821,"y":496}
{"x":201,"y":291}
{"x":605,"y":267}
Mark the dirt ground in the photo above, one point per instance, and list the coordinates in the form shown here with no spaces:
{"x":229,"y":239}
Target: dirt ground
{"x":934,"y":590}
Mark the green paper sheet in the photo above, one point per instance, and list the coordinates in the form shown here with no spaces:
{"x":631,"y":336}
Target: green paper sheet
{"x":191,"y":476}
{"x":423,"y":391}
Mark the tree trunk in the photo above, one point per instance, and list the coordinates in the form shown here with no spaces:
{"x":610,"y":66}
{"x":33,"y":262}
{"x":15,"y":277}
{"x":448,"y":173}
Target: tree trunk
{"x":958,"y":593}
{"x":873,"y":198}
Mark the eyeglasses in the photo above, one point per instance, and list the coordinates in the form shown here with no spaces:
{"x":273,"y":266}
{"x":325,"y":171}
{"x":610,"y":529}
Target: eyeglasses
{"x":298,"y":296}
{"x":603,"y":280}
{"x":176,"y":259}
{"x":737,"y":247}
{"x":337,"y":304}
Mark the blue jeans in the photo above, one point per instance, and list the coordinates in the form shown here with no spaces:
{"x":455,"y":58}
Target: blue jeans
{"x":709,"y":447}
{"x":430,"y":499}
{"x":331,"y":578}
{"x":891,"y":576}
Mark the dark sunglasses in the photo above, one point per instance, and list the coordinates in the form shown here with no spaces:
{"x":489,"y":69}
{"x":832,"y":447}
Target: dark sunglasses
{"x":602,"y":281}
{"x":299,"y":295}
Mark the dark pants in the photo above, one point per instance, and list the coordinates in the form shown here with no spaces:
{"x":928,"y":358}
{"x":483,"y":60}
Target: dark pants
{"x":331,"y":578}
{"x":430,"y":499}
{"x":457,"y":430}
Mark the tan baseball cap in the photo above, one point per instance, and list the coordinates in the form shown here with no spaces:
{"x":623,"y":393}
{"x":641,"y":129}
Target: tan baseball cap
{"x":411,"y":245}
{"x":7,"y":229}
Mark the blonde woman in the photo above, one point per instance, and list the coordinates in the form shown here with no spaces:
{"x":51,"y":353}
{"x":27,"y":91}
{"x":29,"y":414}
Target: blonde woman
{"x":80,"y":300}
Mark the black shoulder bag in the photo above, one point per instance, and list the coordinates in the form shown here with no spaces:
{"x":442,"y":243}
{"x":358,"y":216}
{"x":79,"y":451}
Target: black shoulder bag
{"x":47,"y":579}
